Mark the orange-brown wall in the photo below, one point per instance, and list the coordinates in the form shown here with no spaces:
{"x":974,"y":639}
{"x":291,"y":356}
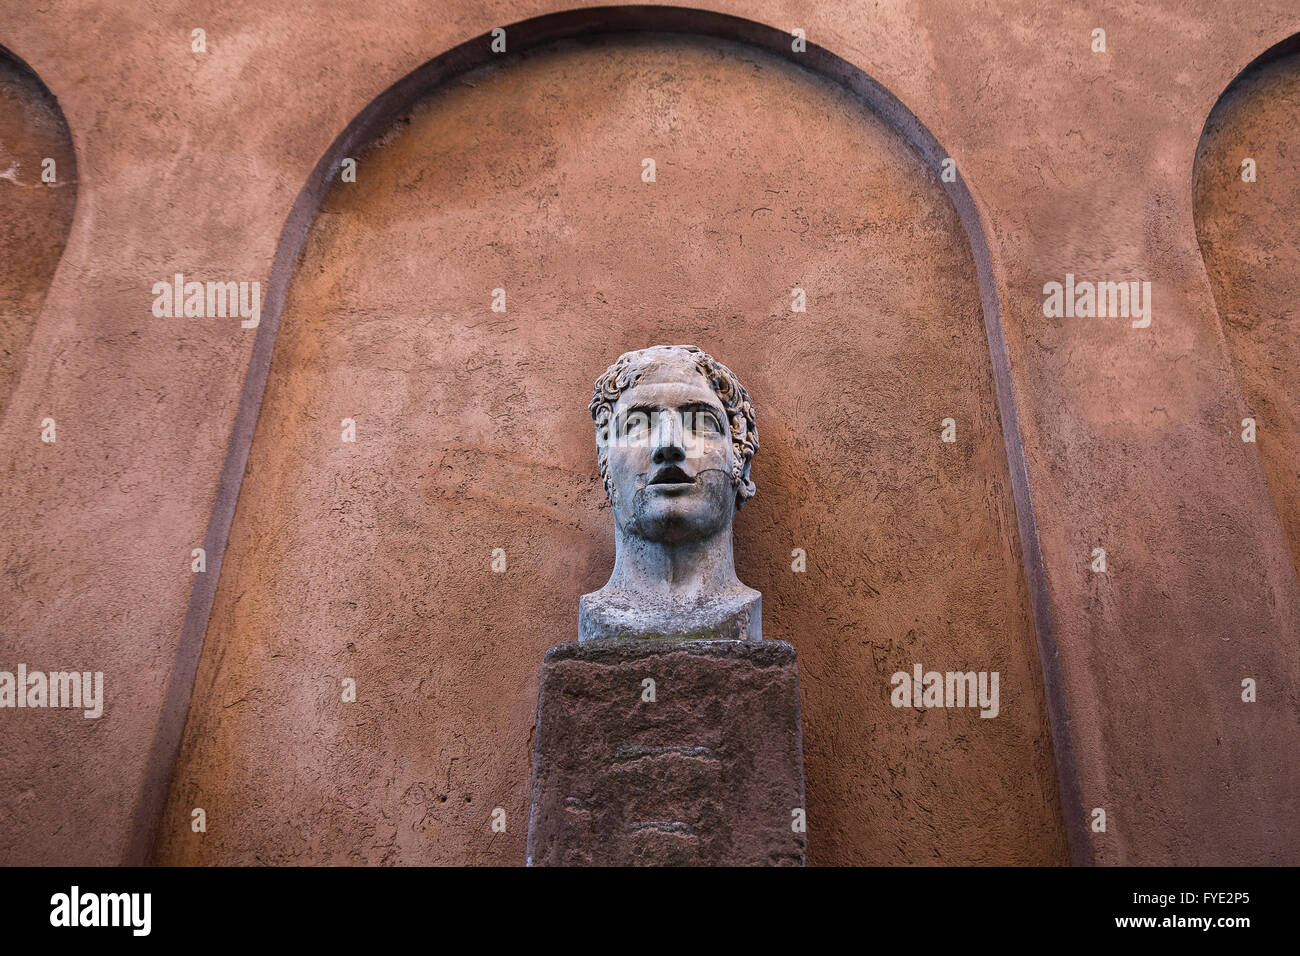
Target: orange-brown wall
{"x":374,"y":560}
{"x":1248,"y":223}
{"x":36,"y":204}
{"x":1077,"y":161}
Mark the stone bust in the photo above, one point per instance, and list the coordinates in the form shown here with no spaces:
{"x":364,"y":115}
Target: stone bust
{"x":675,"y":439}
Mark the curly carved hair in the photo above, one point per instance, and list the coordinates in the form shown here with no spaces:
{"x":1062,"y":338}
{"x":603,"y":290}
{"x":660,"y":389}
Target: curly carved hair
{"x":624,"y":373}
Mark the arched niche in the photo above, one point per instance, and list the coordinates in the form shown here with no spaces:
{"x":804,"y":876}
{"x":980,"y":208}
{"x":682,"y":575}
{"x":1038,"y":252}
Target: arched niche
{"x":373,"y":560}
{"x":1249,"y":233}
{"x":35,"y":214}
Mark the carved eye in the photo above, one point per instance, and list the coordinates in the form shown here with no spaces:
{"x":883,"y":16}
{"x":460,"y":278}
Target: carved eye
{"x":636,"y":424}
{"x":705,"y":423}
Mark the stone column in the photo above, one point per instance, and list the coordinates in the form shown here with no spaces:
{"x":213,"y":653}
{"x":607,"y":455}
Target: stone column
{"x":653,"y":753}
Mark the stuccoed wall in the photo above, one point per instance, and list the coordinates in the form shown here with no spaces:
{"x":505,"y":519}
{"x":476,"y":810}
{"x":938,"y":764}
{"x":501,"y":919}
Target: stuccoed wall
{"x":39,"y":173}
{"x":374,"y":559}
{"x":1078,"y":162}
{"x":1250,"y":233}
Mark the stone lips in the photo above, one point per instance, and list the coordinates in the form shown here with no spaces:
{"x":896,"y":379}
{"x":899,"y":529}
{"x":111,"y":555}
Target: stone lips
{"x":707,"y":774}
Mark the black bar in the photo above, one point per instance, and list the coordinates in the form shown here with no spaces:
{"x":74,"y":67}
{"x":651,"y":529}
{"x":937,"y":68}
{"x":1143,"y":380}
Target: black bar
{"x":430,"y":908}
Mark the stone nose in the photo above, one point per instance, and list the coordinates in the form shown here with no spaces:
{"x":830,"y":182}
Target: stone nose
{"x":669,"y":447}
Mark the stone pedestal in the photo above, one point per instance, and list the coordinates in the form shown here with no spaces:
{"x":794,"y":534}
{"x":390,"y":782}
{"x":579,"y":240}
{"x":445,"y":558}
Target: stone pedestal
{"x":702,"y":768}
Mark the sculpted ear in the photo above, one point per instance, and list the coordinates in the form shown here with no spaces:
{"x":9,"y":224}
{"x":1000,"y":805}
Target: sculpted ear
{"x":744,"y":490}
{"x":745,"y":487}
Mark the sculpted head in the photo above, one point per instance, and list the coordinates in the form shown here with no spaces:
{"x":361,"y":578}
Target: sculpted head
{"x":675,"y":439}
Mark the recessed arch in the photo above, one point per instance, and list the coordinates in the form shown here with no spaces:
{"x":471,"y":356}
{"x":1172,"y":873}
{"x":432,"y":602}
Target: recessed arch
{"x":1247,"y":214}
{"x":38,"y":198}
{"x":535,"y":34}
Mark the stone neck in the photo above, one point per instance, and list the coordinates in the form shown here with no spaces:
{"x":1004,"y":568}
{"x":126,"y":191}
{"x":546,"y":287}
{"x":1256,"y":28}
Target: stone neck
{"x":680,"y":570}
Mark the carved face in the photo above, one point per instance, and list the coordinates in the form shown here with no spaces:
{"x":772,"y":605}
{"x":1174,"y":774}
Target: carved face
{"x":671,"y":455}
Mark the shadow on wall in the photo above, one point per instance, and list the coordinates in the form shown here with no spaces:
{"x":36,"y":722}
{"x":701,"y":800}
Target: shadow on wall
{"x":373,"y":560}
{"x":38,"y":193}
{"x":1247,"y":209}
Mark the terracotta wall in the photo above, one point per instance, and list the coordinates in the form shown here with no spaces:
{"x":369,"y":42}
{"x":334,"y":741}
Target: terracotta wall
{"x":374,"y":560}
{"x":36,"y":204}
{"x":1248,"y":223}
{"x":367,"y":560}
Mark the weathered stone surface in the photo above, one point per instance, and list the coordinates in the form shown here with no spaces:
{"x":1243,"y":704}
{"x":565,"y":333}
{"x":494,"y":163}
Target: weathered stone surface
{"x":708,"y":773}
{"x":724,"y":617}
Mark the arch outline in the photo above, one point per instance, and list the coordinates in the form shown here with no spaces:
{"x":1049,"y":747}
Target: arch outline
{"x":375,"y":118}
